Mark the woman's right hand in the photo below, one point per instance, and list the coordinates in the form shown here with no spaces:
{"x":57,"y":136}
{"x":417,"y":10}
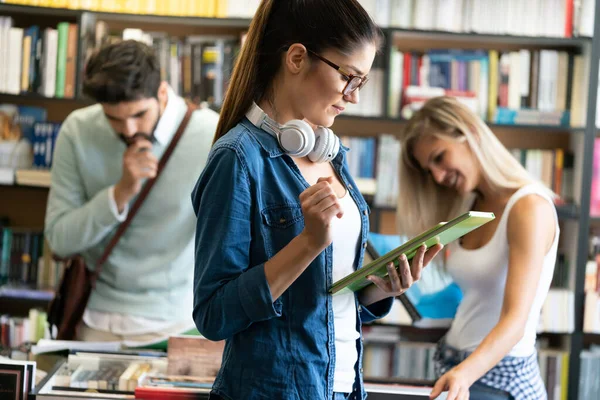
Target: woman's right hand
{"x":319,"y":205}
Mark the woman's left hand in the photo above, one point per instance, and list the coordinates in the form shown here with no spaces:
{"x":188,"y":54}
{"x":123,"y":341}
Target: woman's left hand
{"x":398,"y":281}
{"x":455,"y":382}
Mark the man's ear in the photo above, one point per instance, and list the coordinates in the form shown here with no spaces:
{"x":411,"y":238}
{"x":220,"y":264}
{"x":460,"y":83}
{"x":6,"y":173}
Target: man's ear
{"x":163,"y":94}
{"x":296,"y":58}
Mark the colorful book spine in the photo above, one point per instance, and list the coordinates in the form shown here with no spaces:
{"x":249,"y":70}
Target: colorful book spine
{"x":61,"y":59}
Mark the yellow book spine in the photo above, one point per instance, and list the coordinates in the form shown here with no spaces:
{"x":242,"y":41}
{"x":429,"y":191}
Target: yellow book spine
{"x":203,"y":11}
{"x":222,"y":8}
{"x":564,"y":379}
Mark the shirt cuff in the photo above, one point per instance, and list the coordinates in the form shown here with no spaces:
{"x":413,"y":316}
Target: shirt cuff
{"x":112,"y":203}
{"x":255,"y":295}
{"x":376,"y":310}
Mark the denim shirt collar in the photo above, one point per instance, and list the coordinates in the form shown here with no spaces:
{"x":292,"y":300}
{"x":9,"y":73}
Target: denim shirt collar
{"x":271,"y":146}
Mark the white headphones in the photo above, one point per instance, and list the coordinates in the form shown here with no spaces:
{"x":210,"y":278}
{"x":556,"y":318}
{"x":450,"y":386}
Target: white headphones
{"x":297,"y":137}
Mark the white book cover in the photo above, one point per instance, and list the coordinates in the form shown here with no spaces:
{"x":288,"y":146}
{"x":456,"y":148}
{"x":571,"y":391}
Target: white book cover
{"x":514,"y":81}
{"x":396,"y":75}
{"x":458,"y":14}
{"x":525,"y":75}
{"x":5,"y":25}
{"x":15,"y":51}
{"x":49,"y":54}
{"x":402,"y":13}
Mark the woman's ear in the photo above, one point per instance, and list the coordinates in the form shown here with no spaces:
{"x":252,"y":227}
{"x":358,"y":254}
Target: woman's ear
{"x":296,"y":58}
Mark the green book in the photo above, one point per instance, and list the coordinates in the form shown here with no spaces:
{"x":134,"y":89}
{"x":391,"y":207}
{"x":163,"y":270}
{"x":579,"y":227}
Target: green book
{"x":61,"y":59}
{"x":444,"y":233}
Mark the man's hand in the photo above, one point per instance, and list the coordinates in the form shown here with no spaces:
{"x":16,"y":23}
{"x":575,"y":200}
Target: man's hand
{"x":138,"y":163}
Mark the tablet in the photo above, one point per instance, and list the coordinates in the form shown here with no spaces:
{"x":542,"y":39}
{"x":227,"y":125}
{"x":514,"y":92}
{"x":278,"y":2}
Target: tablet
{"x":444,"y":233}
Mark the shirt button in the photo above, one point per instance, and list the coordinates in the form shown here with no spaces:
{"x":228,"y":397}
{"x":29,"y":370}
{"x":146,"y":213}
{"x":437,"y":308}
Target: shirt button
{"x":365,"y":245}
{"x":361,"y":370}
{"x":359,"y":308}
{"x":365,"y":212}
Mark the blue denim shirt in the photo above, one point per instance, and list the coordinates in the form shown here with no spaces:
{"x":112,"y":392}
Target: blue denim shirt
{"x":247,"y":207}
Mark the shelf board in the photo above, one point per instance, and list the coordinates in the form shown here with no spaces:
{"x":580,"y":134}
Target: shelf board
{"x":46,"y":11}
{"x":356,"y":125}
{"x":18,"y":301}
{"x":39,"y":97}
{"x":411,"y":39}
{"x":24,"y":293}
{"x":565,"y":212}
{"x":174,"y":20}
{"x":34,"y":178}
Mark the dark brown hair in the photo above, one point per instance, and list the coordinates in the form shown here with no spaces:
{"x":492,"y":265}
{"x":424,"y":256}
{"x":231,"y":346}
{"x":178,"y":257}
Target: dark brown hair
{"x":318,"y":24}
{"x":123,"y":71}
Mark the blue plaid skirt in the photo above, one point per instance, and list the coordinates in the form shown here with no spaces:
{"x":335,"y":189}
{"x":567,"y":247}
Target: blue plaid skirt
{"x":519,"y":376}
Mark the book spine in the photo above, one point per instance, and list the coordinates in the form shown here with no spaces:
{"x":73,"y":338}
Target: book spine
{"x":61,"y":59}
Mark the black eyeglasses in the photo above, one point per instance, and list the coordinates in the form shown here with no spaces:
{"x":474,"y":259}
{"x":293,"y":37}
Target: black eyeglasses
{"x":354,"y":83}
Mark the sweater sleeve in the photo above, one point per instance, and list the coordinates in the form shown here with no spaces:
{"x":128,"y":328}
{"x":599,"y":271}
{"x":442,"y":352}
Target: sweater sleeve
{"x":74,"y":223}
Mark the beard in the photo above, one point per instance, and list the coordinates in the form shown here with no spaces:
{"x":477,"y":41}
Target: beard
{"x":129,"y":140}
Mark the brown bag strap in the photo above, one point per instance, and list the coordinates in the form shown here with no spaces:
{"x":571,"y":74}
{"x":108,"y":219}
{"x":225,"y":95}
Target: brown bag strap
{"x":146,"y":189}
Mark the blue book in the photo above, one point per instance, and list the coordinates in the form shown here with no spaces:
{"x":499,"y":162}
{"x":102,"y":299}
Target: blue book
{"x":35,"y":57}
{"x":43,"y":143}
{"x":27,"y":117}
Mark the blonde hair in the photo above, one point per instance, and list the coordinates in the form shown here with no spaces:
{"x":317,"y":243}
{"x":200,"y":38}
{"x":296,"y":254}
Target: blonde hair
{"x":422,"y":203}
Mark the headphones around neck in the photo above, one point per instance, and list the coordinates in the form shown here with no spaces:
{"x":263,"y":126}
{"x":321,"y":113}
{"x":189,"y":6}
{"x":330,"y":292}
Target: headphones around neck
{"x":296,"y":137}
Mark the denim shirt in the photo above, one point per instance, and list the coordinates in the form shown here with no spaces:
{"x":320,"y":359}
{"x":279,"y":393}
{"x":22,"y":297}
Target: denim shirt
{"x":247,"y":207}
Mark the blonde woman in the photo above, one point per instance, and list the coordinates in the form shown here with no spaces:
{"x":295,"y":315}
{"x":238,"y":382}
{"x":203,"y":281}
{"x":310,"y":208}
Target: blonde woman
{"x":451,"y":162}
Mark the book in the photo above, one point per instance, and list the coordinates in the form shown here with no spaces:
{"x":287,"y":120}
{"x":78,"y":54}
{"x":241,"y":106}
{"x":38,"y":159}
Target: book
{"x":371,"y":254}
{"x":444,"y":233}
{"x":432,"y":301}
{"x":194,"y":356}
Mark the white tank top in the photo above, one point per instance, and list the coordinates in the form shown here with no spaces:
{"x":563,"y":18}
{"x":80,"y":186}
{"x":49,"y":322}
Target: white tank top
{"x":481,"y":275}
{"x":346,"y":239}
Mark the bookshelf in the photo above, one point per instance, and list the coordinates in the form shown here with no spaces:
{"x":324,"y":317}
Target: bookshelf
{"x":26,"y":204}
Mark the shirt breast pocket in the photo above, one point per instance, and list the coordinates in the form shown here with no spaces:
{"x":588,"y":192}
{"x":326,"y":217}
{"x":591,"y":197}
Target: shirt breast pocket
{"x":281,"y":224}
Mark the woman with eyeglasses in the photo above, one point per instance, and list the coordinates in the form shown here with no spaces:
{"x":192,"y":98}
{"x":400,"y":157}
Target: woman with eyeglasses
{"x":279,"y":218}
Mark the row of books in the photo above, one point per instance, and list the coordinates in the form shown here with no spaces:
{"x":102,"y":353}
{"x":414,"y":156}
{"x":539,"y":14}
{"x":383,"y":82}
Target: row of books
{"x":402,"y":360}
{"x":197,"y":67}
{"x":557,"y":314}
{"x":555,"y":18}
{"x":26,"y":260}
{"x":16,"y":331}
{"x":182,"y":8}
{"x":531,"y":84}
{"x":386,"y":356}
{"x":378,"y":159}
{"x":30,"y":123}
{"x":21,"y":252}
{"x":554,"y":168}
{"x":35,"y":60}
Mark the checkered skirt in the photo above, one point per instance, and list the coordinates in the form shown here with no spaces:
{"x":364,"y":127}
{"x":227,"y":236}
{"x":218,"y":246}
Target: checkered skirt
{"x":519,"y":376}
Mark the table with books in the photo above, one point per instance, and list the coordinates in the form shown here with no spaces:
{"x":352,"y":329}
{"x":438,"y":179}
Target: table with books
{"x":185,"y":371}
